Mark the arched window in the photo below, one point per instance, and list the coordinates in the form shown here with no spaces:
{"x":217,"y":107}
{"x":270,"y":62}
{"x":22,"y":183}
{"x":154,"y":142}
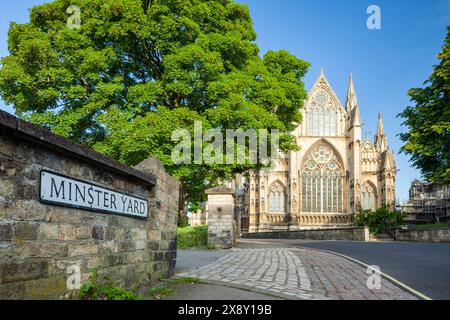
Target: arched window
{"x":369,"y":199}
{"x":322,"y":182}
{"x":276,"y":198}
{"x":321,"y":117}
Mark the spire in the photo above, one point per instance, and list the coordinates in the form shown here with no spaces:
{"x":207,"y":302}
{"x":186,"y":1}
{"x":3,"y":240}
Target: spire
{"x":352,"y":100}
{"x":380,"y":137}
{"x":356,"y":117}
{"x":380,"y":130}
{"x":389,"y":161}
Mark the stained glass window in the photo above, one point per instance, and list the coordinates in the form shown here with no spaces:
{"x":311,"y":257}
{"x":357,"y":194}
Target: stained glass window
{"x":277,"y":198}
{"x":322,"y":183}
{"x":333,"y":129}
{"x":272,"y":202}
{"x":322,"y":117}
{"x":369,"y":197}
{"x":309,"y":124}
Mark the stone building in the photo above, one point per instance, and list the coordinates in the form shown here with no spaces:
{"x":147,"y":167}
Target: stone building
{"x":198,"y":217}
{"x":428,"y":203}
{"x":335,"y":174}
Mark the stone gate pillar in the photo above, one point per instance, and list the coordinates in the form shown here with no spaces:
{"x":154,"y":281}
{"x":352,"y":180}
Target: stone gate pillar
{"x":221,"y":223}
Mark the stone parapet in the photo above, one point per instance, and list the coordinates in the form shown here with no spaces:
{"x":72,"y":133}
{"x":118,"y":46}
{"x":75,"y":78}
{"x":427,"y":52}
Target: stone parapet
{"x":351,"y":234}
{"x":441,"y":235}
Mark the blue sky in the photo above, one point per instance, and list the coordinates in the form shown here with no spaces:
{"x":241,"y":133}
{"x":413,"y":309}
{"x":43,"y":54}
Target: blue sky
{"x":332,"y":34}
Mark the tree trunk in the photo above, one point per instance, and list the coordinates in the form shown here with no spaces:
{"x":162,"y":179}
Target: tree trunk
{"x":181,"y":205}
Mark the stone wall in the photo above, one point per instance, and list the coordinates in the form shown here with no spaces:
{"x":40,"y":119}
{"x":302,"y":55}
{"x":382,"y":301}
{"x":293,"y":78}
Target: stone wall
{"x":198,"y":218}
{"x":221,"y":223}
{"x":41,"y":244}
{"x":350,"y":234}
{"x":442,"y":235}
{"x":163,"y":218}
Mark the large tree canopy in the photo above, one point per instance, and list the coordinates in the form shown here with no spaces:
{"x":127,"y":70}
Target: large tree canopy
{"x":428,"y":121}
{"x":136,"y":70}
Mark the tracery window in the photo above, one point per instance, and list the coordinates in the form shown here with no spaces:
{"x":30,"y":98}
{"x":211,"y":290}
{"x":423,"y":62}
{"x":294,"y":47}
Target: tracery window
{"x":322,"y":116}
{"x":369,"y":197}
{"x":276,"y":198}
{"x":322,"y":182}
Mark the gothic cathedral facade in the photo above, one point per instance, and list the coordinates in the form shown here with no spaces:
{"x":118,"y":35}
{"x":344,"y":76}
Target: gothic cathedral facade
{"x":334,"y":175}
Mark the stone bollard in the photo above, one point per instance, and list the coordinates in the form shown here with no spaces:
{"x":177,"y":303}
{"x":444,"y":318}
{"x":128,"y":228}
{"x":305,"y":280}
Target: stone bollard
{"x":366,"y":234}
{"x":221,"y":225}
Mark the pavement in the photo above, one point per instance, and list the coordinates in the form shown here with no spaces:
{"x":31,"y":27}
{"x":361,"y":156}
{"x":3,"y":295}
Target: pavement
{"x":255,"y":271}
{"x":424,"y":267}
{"x":189,"y":260}
{"x":193,"y":259}
{"x":186,"y":291}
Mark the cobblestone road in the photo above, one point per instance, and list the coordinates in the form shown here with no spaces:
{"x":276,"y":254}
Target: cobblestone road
{"x":296,"y":274}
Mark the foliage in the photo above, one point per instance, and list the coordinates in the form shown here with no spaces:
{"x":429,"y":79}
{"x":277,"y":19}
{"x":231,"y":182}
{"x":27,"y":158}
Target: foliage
{"x":192,"y":237}
{"x":428,"y":138}
{"x":92,"y":290}
{"x":195,"y":206}
{"x":382,"y":217}
{"x":183,"y":221}
{"x":136,"y":70}
{"x":161,"y":292}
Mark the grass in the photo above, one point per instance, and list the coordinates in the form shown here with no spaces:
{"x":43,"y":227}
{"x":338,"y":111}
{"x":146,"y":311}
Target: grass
{"x":171,"y":287}
{"x":162,"y":292}
{"x":93,"y":290}
{"x":193,"y":237}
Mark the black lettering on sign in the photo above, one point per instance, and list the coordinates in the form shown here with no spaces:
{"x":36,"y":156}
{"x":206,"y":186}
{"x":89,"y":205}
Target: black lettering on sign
{"x":91,"y":196}
{"x":113,"y":201}
{"x":56,"y":189}
{"x":78,"y":192}
{"x":59,"y":191}
{"x":106,"y":199}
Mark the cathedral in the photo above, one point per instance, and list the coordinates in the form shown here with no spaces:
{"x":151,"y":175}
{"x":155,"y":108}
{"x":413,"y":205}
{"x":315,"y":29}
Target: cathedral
{"x":336,"y":173}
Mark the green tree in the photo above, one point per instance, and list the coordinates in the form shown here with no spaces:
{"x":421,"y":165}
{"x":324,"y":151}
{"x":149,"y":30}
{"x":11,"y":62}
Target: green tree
{"x":382,"y":217}
{"x":428,"y":138}
{"x":136,"y":70}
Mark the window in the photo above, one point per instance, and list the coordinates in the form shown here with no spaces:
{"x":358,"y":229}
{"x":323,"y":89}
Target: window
{"x":369,"y":199}
{"x":277,"y":198}
{"x":321,"y":123}
{"x":321,"y":116}
{"x":322,"y":182}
